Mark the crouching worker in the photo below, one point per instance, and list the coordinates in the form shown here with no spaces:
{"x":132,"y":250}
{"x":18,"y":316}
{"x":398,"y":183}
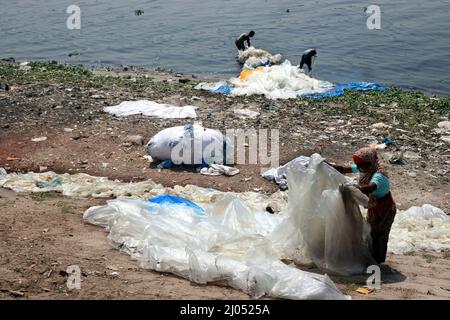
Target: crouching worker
{"x":240,"y":41}
{"x":374,"y":182}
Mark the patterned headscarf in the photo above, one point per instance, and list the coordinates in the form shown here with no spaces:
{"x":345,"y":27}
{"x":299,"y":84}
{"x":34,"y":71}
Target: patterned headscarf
{"x":368,"y":156}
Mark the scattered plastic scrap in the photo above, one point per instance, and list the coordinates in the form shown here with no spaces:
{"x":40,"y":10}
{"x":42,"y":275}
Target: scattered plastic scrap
{"x":246,"y":113}
{"x":151,"y":109}
{"x":265,"y":74}
{"x":444,"y":125}
{"x":218,"y":170}
{"x":39,"y":139}
{"x":278,"y":175}
{"x":388,"y":140}
{"x":12,"y":158}
{"x":398,"y":158}
{"x":171,"y":200}
{"x":380,"y":146}
{"x":365,"y":290}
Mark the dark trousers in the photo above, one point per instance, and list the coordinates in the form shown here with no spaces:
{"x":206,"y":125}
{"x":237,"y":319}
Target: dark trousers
{"x":380,"y":217}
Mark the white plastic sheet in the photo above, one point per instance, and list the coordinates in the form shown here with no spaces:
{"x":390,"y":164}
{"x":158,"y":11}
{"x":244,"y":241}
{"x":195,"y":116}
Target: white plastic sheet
{"x":218,"y":170}
{"x":324,"y":224}
{"x":151,"y":109}
{"x":229,"y":244}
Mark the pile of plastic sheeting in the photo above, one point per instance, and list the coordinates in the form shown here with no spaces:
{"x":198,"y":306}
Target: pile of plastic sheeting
{"x":151,"y":109}
{"x":425,"y":227}
{"x":324,"y":224}
{"x":229,"y":244}
{"x":189,"y":144}
{"x":268,"y":75}
{"x":282,"y":81}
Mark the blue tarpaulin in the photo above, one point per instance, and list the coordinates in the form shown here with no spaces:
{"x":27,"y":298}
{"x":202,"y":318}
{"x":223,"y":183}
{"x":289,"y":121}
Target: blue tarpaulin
{"x":339,"y":89}
{"x":171,"y":200}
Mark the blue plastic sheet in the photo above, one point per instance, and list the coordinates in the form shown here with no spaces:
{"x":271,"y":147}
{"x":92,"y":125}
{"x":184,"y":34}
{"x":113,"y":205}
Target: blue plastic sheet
{"x":171,"y":200}
{"x":339,"y":89}
{"x":224,"y":89}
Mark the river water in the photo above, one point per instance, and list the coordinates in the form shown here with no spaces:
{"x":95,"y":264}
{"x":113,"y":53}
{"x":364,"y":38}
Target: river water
{"x":411,"y":49}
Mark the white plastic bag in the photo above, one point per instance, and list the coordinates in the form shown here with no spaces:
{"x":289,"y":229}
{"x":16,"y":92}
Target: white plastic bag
{"x":189,"y":144}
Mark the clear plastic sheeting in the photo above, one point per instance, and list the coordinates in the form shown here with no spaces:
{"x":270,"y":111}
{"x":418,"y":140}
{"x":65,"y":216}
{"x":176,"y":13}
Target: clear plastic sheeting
{"x":151,"y":109}
{"x":425,"y":227}
{"x":276,"y":78}
{"x":229,"y":244}
{"x":324,"y":224}
{"x":283,"y":81}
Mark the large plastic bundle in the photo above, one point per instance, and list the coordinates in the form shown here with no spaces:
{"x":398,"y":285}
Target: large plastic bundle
{"x":189,"y":144}
{"x":283,"y":81}
{"x":151,"y":109}
{"x":324,"y":224}
{"x":253,"y":57}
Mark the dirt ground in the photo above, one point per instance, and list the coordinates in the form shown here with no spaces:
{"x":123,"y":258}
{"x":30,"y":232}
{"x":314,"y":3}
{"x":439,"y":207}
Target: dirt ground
{"x":43,"y":234}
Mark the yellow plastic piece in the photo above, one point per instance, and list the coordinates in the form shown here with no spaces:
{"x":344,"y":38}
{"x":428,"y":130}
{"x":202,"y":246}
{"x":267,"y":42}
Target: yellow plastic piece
{"x":246,"y":72}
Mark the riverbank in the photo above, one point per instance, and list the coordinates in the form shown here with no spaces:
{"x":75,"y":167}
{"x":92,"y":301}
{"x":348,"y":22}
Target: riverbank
{"x":65,"y":105}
